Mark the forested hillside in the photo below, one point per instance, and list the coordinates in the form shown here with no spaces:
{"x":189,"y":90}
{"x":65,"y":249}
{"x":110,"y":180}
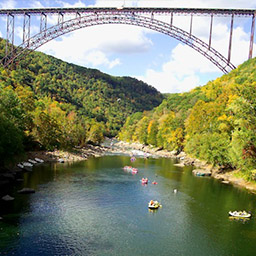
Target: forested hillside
{"x":216,"y":122}
{"x":46,"y":100}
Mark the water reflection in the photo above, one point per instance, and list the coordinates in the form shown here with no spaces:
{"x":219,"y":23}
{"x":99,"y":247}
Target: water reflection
{"x":96,"y":208}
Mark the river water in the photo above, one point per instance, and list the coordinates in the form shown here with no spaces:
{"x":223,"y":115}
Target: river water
{"x":93,"y":207}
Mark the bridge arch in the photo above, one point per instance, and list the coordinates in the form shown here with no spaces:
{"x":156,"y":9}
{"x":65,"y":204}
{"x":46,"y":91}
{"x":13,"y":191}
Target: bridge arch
{"x":94,"y":19}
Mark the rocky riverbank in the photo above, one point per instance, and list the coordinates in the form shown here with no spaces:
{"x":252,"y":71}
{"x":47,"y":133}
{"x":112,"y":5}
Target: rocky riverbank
{"x":13,"y":174}
{"x":77,"y":154}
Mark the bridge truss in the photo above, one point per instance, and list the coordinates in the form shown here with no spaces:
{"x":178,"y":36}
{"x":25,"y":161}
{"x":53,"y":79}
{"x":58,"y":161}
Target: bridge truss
{"x":70,"y":19}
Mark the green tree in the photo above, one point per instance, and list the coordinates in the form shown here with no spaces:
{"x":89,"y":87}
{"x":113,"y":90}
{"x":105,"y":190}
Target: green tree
{"x":243,"y":144}
{"x":11,"y":140}
{"x":152,"y":132}
{"x":47,"y":130}
{"x":140,"y":133}
{"x":96,"y":133}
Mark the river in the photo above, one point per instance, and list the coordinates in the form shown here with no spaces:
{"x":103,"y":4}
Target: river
{"x":94,"y":207}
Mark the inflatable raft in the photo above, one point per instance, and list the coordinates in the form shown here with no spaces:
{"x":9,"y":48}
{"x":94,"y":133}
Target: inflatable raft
{"x":240,"y":214}
{"x":153,"y":205}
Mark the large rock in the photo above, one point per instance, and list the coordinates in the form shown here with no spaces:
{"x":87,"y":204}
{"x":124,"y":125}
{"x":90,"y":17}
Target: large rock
{"x":26,"y":191}
{"x":32,"y":161}
{"x":7,"y":198}
{"x":39,"y":160}
{"x":182,"y":155}
{"x":27,"y":164}
{"x":201,"y":172}
{"x":180,"y":165}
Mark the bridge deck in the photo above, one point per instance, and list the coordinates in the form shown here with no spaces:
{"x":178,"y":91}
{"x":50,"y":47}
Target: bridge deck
{"x":178,"y":11}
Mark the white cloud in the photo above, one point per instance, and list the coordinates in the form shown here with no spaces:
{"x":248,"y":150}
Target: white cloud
{"x":180,"y":73}
{"x":178,"y":3}
{"x":100,"y":3}
{"x":122,"y":39}
{"x":169,"y":82}
{"x":185,"y":3}
{"x":8,"y":4}
{"x":19,"y":31}
{"x":240,"y":46}
{"x":240,"y":43}
{"x":97,"y":58}
{"x":100,"y":42}
{"x":79,"y":3}
{"x":35,"y":4}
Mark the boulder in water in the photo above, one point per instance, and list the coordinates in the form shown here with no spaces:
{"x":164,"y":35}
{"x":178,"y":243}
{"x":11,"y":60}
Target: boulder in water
{"x":7,"y":198}
{"x":26,"y":191}
{"x":39,"y":160}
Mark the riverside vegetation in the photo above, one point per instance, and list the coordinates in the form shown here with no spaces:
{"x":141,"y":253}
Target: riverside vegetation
{"x":215,"y":122}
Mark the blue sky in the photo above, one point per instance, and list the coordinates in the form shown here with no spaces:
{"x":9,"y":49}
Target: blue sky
{"x":157,"y":59}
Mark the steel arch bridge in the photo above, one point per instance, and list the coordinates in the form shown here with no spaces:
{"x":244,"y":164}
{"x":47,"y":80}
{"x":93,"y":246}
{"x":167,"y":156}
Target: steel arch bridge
{"x":70,"y":19}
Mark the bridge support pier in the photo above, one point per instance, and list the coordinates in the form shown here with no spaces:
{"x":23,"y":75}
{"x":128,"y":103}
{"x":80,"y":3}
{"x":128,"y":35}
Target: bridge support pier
{"x":230,"y":37}
{"x":43,"y":22}
{"x":9,"y":34}
{"x":252,"y":35}
{"x":210,"y":34}
{"x":26,"y":29}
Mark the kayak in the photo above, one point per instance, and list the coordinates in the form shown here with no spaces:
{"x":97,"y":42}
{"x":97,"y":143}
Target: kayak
{"x":240,"y":214}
